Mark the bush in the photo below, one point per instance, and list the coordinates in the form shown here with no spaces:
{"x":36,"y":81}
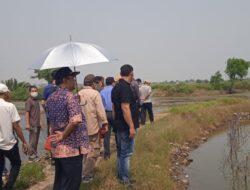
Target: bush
{"x":30,"y":174}
{"x":20,"y":93}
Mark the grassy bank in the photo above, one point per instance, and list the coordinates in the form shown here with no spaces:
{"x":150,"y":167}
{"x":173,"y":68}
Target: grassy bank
{"x":30,"y":174}
{"x":151,"y":161}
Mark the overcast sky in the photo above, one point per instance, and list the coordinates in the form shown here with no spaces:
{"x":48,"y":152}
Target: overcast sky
{"x":162,"y":39}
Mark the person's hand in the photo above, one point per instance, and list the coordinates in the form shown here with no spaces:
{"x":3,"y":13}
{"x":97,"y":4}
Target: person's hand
{"x":57,"y":137}
{"x":132,"y":132}
{"x":27,"y":127}
{"x":43,"y":103}
{"x":25,"y":148}
{"x":103,"y":130}
{"x":105,"y":127}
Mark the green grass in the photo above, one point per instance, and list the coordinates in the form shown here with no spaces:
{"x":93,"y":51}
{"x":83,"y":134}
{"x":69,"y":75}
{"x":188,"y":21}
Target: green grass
{"x":30,"y":174}
{"x":194,"y":107}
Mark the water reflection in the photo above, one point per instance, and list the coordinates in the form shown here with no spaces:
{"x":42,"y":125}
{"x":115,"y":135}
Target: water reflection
{"x":237,"y":158}
{"x":223,"y":162}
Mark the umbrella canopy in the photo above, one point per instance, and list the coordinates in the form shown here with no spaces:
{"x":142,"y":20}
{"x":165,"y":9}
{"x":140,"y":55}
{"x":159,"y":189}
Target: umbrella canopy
{"x":71,"y":54}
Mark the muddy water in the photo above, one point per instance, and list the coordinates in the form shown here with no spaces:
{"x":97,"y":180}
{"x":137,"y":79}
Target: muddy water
{"x":161,"y":104}
{"x":209,"y":170}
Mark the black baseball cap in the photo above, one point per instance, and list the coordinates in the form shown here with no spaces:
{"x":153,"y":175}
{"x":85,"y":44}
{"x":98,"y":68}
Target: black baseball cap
{"x":63,"y":73}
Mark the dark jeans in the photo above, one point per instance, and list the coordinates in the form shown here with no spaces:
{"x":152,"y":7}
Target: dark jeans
{"x":68,"y":173}
{"x":15,"y":161}
{"x":147,"y":107}
{"x":125,"y":148}
{"x":106,"y":140}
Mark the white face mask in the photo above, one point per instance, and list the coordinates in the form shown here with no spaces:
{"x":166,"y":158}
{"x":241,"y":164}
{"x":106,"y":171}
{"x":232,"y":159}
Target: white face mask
{"x":34,"y":94}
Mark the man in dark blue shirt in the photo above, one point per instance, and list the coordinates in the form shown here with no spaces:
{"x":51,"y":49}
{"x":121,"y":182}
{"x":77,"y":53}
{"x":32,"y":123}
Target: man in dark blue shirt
{"x":126,"y":121}
{"x":48,"y":90}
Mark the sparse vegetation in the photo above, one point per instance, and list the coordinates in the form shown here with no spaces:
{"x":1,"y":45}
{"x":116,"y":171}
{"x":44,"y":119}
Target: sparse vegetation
{"x":30,"y":174}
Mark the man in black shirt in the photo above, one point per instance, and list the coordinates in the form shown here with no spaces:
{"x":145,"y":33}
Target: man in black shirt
{"x":126,"y":121}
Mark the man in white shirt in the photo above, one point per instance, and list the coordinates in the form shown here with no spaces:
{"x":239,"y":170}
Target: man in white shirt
{"x":146,"y":102}
{"x":9,"y":126}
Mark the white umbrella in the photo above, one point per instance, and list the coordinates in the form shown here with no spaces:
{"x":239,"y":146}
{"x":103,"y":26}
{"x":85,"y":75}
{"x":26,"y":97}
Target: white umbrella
{"x":71,"y":54}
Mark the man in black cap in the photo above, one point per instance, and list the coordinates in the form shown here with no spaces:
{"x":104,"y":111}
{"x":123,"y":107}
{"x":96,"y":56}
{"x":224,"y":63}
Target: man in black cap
{"x":69,"y":136}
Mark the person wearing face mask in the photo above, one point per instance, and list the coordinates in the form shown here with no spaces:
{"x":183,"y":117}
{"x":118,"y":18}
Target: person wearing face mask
{"x":33,"y":125}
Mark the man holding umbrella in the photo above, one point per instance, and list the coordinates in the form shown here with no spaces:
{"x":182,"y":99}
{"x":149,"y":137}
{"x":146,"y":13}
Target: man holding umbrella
{"x":69,"y":134}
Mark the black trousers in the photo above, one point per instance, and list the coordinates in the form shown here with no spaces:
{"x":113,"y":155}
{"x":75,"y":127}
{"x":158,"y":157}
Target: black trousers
{"x":147,"y":107}
{"x":68,"y":173}
{"x":15,"y":161}
{"x":106,"y":140}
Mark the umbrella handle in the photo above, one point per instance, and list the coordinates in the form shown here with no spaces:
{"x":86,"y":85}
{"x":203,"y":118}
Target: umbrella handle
{"x":76,"y":84}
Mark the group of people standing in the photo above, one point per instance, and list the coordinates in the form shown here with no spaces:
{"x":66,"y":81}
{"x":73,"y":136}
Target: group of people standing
{"x":78,"y":123}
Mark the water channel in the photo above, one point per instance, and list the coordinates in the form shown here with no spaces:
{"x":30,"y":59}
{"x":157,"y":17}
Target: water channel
{"x":211,"y":168}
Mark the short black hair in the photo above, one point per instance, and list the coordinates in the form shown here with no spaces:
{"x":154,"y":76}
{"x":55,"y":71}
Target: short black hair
{"x":110,"y":80}
{"x":126,"y":70}
{"x":138,"y":80}
{"x":98,"y":79}
{"x":32,"y":86}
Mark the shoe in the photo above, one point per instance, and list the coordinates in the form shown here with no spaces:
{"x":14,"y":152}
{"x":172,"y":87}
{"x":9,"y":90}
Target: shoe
{"x":5,"y":172}
{"x":86,"y":179}
{"x":34,"y":159}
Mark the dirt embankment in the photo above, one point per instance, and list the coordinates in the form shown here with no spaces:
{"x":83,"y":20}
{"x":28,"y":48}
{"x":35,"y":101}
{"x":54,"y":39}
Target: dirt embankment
{"x":201,"y":125}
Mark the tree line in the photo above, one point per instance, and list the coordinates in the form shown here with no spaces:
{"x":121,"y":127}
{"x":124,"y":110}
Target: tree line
{"x":236,"y":70}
